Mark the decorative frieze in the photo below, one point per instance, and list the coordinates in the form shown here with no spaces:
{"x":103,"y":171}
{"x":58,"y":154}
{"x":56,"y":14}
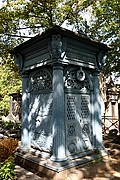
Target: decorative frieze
{"x":40,"y":80}
{"x":76,"y":54}
{"x":76,"y":80}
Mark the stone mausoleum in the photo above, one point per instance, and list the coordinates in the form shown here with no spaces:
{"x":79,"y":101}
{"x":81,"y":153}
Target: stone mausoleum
{"x":61,"y":110}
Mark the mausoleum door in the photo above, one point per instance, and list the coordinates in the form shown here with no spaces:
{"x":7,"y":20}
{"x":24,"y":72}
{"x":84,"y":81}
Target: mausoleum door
{"x":78,"y":123}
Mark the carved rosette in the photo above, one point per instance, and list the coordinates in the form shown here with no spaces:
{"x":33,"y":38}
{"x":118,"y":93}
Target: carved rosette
{"x":71,"y":128}
{"x":72,"y":148}
{"x":40,"y":81}
{"x":76,"y":80}
{"x":86,"y":129}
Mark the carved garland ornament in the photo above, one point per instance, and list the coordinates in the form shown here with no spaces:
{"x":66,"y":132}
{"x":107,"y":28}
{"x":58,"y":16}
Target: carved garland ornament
{"x":41,"y":80}
{"x":76,"y":80}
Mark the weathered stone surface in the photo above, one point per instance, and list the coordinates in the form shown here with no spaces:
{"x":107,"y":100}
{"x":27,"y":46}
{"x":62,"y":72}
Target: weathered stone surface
{"x":61,"y":111}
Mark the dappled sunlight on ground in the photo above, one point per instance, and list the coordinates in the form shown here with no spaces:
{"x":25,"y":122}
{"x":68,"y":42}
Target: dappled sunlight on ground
{"x":106,"y":168}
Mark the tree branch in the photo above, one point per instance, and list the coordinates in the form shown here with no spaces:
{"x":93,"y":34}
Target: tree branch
{"x":14,"y":35}
{"x":28,"y":27}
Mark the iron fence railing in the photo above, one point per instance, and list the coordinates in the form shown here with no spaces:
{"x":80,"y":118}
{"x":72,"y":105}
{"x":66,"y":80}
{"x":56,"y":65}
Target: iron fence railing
{"x":110,"y":124}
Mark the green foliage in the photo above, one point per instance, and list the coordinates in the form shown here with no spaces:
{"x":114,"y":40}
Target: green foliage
{"x":21,"y":19}
{"x":17,"y":126}
{"x":106,"y":28}
{"x":10,"y":125}
{"x":7,"y":169}
{"x":30,"y":17}
{"x":10,"y":81}
{"x":4,"y":104}
{"x":7,"y":124}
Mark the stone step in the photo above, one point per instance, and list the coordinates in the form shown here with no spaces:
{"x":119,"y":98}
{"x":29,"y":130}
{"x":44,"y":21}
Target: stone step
{"x":59,"y":170}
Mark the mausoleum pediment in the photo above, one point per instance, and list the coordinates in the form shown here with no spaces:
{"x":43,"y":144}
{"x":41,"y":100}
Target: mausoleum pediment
{"x":61,"y":46}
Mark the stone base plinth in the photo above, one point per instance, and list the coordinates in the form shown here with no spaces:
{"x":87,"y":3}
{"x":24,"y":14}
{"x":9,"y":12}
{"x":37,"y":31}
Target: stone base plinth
{"x":56,"y":170}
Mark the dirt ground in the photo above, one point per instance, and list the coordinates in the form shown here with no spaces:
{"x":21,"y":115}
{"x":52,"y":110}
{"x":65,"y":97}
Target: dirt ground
{"x":107,"y":168}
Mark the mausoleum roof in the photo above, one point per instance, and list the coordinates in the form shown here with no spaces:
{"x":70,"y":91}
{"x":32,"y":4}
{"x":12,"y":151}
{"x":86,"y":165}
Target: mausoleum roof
{"x":62,"y":46}
{"x":64,"y":32}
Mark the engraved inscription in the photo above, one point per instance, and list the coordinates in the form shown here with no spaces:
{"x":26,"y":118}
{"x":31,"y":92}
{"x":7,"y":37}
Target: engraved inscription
{"x":77,"y":55}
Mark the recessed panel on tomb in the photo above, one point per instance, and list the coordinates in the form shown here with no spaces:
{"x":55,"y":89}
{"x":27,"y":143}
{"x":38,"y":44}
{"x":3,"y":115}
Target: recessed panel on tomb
{"x":40,"y":109}
{"x":78,"y":123}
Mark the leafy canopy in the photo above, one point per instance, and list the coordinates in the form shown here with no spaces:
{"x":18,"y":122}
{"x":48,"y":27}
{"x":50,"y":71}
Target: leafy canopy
{"x":22,"y":19}
{"x":10,"y":82}
{"x":106,"y":28}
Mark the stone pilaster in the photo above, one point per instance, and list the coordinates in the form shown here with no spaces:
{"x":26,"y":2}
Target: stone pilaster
{"x":97,"y":120}
{"x":58,"y":125}
{"x":25,"y":109}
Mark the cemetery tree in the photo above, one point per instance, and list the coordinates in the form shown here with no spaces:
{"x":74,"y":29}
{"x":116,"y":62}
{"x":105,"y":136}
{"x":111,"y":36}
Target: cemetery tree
{"x":20,"y":20}
{"x":106,"y":28}
{"x":10,"y":82}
